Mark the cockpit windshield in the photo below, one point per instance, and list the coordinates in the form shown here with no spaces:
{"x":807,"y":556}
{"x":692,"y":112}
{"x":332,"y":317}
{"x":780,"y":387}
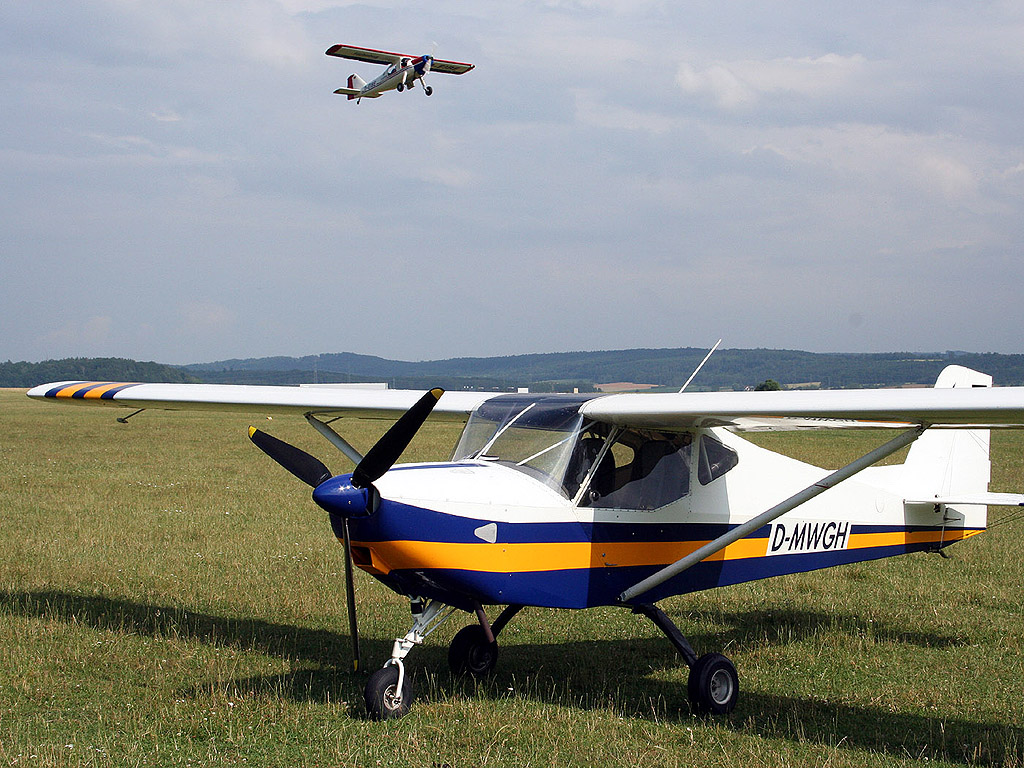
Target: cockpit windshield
{"x":534,"y":434}
{"x":594,"y":463}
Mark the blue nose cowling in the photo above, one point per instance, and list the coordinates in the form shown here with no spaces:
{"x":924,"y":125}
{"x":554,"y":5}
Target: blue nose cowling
{"x":339,"y":497}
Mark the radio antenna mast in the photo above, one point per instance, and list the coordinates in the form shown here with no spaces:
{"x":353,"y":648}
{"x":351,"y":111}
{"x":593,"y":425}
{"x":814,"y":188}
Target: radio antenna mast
{"x":697,"y":369}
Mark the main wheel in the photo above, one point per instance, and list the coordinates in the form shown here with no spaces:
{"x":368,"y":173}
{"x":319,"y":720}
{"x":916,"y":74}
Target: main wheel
{"x":400,"y":87}
{"x":428,"y":90}
{"x":713,"y":686}
{"x":382,"y":700}
{"x":471,"y":654}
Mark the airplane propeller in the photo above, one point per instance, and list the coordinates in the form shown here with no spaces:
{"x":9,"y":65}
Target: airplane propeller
{"x":378,"y":460}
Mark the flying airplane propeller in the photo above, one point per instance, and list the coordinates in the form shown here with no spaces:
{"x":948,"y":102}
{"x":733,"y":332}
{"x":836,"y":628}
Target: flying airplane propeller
{"x":378,"y":460}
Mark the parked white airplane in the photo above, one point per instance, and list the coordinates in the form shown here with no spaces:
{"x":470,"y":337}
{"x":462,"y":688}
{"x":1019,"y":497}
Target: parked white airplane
{"x":403,"y":70}
{"x":574,"y":501}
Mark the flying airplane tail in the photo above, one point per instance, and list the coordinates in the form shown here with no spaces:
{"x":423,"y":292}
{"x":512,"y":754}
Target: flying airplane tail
{"x":355,"y":83}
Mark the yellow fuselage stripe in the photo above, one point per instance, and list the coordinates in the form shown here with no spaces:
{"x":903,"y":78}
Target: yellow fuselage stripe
{"x":551,"y":556}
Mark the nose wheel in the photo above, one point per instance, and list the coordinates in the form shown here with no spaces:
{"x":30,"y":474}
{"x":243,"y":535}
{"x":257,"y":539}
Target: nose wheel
{"x":388,"y":693}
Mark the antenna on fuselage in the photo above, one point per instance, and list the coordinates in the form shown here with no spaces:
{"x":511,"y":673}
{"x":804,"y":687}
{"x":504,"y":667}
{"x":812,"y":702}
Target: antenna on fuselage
{"x":697,"y":369}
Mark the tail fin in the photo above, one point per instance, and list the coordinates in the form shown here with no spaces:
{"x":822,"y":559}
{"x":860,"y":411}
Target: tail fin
{"x":356,"y":83}
{"x":950,"y":464}
{"x":947,"y":462}
{"x":354,"y":89}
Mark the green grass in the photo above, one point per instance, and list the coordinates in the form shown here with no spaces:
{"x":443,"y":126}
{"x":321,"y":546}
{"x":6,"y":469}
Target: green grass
{"x":169,"y":596}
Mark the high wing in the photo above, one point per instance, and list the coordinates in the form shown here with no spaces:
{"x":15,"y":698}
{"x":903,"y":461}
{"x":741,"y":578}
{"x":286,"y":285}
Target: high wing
{"x":373,"y":56}
{"x":325,"y":401}
{"x":450,"y":67}
{"x":819,"y":409}
{"x":954,"y":402}
{"x":370,"y":55}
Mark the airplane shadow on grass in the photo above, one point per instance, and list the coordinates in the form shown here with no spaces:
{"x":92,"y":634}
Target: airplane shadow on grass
{"x":565,"y":674}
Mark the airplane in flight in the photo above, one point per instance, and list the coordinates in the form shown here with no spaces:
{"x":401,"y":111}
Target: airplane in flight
{"x":401,"y":73}
{"x":581,"y":500}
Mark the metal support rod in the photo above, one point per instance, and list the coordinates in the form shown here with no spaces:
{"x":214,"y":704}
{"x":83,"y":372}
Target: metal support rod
{"x":740,"y":531}
{"x":666,"y":625}
{"x":485,"y":625}
{"x":124,"y":419}
{"x":504,"y":618}
{"x":335,"y":439}
{"x":697,"y":369}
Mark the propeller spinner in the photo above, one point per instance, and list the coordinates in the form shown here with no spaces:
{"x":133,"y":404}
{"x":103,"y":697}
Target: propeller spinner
{"x":354,"y":496}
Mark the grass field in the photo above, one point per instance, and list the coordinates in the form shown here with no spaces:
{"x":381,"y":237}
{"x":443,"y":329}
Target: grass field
{"x":169,"y":596}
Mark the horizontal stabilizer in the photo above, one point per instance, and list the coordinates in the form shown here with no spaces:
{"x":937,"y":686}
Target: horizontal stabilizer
{"x":995,"y":499}
{"x":348,"y":91}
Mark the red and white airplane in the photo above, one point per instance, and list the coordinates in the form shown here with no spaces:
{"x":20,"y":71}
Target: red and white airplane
{"x":403,"y":70}
{"x":575,"y":501}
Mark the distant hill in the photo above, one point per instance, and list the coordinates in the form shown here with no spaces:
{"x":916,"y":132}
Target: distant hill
{"x":558,"y":371}
{"x":89,"y":369}
{"x":667,"y":368}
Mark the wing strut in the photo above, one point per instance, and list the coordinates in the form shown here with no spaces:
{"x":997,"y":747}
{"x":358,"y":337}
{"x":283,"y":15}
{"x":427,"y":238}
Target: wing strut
{"x":334,"y":438}
{"x":717,"y":545}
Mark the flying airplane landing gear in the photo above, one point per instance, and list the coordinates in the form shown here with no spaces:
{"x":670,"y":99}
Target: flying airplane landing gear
{"x":713,"y":686}
{"x":428,"y":90}
{"x":400,"y":87}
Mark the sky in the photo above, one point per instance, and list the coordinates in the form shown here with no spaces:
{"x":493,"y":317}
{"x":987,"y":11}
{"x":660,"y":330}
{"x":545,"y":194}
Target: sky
{"x":179,"y":183}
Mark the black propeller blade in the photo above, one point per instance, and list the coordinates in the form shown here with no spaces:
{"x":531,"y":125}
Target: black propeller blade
{"x":385,"y":452}
{"x":308,"y":469}
{"x":313,"y":472}
{"x":350,"y":597}
{"x":378,"y":460}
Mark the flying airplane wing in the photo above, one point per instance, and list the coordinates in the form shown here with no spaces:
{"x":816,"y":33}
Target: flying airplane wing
{"x":324,"y":401}
{"x":370,"y":55}
{"x":450,"y":67}
{"x":373,"y":56}
{"x":819,"y":409}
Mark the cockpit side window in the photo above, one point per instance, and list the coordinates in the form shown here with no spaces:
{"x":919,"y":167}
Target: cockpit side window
{"x":641,"y":470}
{"x":715,"y":459}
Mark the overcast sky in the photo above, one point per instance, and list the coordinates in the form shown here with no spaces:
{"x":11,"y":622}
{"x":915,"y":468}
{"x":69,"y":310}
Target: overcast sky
{"x":180,"y":184}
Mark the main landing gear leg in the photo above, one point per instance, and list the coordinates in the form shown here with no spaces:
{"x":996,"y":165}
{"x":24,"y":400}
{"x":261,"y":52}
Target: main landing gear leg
{"x":474,"y":649}
{"x":389,"y":691}
{"x":713,"y":686}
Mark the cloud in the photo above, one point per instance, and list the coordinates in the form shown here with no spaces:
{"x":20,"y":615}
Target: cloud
{"x":89,"y":334}
{"x":184,"y":168}
{"x":591,"y":109}
{"x":205,"y":317}
{"x":742,"y":84}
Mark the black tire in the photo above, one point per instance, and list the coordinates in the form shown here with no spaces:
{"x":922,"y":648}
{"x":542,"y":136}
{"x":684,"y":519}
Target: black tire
{"x":380,"y":694}
{"x":714,"y":686}
{"x":471,"y":654}
{"x":400,"y":87}
{"x":428,"y":90}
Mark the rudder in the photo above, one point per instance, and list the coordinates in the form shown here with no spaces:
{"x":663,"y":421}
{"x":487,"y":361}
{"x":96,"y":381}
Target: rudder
{"x":950,"y":462}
